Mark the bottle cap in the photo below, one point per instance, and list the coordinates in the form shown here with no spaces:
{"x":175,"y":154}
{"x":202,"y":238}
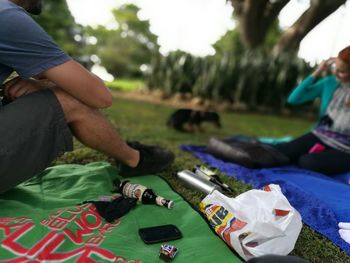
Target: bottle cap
{"x":170,"y":204}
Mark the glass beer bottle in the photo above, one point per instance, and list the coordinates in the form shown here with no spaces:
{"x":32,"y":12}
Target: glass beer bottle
{"x":144,"y":195}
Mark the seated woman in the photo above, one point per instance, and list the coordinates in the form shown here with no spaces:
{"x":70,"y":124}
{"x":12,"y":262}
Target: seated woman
{"x":326,"y":148}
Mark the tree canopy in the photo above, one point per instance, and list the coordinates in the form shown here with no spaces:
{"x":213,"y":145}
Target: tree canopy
{"x":124,"y":50}
{"x":61,"y":26}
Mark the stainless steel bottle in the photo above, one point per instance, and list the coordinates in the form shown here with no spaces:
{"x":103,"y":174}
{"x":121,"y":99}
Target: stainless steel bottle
{"x":209,"y":175}
{"x":197,"y":182}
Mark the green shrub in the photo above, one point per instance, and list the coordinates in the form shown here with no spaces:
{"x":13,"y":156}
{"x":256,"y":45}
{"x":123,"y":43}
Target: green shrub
{"x":255,"y":78}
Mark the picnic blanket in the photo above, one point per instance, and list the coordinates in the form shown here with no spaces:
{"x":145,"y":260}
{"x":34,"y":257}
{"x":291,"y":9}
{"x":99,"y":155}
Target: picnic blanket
{"x":44,"y":220}
{"x":321,"y":200}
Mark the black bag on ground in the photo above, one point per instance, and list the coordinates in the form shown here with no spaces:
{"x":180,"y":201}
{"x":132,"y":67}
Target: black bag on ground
{"x":248,"y":154}
{"x":115,"y":209}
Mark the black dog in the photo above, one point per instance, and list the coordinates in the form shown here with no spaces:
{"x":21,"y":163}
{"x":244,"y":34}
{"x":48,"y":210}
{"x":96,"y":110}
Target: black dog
{"x":192,"y":119}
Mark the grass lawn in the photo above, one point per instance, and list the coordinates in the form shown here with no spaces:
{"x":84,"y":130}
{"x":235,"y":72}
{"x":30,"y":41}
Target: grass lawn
{"x":146,"y":122}
{"x":124,"y":84}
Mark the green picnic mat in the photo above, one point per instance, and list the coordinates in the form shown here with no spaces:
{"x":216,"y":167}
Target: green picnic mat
{"x":43,"y":220}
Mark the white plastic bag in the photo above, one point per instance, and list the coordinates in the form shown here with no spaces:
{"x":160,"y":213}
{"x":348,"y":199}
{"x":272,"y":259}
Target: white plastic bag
{"x":255,"y":223}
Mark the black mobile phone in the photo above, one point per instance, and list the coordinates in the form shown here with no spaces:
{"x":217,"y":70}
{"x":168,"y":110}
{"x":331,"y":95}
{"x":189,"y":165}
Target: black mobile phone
{"x":156,"y":234}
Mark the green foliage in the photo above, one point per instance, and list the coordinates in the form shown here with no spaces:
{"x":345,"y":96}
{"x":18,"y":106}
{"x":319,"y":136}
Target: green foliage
{"x":57,"y":20}
{"x":127,"y":18}
{"x":253,"y":78}
{"x":123,"y":50}
{"x":146,"y":122}
{"x":272,"y":36}
{"x":176,"y":72}
{"x":229,"y":43}
{"x":124,"y":84}
{"x":267,"y":80}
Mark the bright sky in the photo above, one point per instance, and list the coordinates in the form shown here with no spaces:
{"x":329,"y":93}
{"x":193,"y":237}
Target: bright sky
{"x":194,"y":25}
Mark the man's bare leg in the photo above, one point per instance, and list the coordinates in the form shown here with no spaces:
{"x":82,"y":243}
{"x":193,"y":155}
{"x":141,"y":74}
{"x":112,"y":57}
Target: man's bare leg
{"x":91,"y":128}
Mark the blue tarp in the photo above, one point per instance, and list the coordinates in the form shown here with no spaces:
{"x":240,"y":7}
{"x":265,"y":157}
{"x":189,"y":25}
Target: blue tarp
{"x":322,"y":201}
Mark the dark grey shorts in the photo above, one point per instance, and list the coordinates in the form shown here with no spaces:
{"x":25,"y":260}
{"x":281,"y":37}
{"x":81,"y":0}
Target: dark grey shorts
{"x":33,"y":132}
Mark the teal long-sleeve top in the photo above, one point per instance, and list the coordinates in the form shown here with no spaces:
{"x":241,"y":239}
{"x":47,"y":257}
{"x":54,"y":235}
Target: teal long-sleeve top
{"x":312,"y":88}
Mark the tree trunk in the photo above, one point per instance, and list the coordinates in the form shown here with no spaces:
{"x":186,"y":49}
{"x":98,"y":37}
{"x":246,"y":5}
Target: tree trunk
{"x":255,"y":18}
{"x":318,"y":11}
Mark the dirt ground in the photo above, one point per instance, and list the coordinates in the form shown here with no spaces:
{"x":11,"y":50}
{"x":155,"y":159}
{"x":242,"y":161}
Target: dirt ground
{"x":186,"y":100}
{"x":179,"y":100}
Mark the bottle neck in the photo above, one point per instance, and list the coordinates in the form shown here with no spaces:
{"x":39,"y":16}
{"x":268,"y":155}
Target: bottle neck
{"x":149,"y":197}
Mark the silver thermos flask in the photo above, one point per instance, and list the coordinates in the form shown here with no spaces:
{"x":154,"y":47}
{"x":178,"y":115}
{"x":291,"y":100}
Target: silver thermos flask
{"x":197,"y":182}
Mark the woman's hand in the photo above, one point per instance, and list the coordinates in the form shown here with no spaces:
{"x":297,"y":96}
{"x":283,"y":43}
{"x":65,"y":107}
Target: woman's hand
{"x":323,"y":66}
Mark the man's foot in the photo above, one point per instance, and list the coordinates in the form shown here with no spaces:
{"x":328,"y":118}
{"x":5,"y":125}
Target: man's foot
{"x":153,"y":159}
